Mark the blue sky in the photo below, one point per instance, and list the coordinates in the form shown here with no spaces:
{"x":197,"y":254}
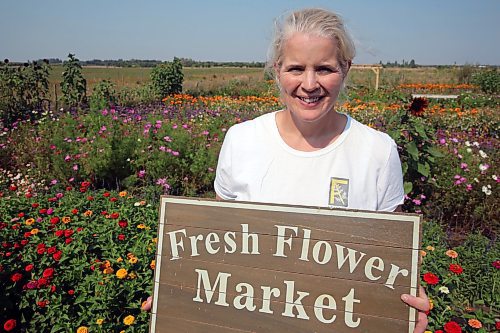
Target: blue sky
{"x":428,"y":31}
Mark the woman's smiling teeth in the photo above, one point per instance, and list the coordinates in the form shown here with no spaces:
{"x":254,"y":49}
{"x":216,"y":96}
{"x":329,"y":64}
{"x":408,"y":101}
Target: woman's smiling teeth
{"x":310,"y":99}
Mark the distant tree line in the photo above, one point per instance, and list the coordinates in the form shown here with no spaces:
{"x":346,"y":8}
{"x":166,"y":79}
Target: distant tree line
{"x":186,"y":62}
{"x":404,"y":64}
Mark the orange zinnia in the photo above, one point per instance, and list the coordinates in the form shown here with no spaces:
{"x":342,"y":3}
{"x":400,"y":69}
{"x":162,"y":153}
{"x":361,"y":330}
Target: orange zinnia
{"x":452,"y":254}
{"x":475,"y":323}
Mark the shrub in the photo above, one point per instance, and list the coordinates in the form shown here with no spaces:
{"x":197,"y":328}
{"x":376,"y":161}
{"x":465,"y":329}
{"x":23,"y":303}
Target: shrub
{"x":73,"y":85}
{"x":103,"y":96}
{"x":488,"y":81}
{"x":23,"y":89}
{"x":167,"y":78}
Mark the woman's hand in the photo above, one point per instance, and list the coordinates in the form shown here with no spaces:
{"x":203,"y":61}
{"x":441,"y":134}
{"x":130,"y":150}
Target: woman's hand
{"x":146,"y":305}
{"x":421,"y":303}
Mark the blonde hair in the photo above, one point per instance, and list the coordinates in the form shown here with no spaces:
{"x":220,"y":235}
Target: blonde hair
{"x":315,"y":21}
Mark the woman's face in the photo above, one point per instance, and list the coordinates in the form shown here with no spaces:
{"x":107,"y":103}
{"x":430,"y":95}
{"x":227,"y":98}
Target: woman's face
{"x":310,"y":76}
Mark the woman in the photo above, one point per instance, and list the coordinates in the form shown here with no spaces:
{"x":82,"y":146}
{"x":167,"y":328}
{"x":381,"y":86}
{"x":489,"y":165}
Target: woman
{"x":308,"y":153}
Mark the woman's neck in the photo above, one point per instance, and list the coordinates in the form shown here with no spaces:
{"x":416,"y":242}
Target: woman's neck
{"x":310,"y":136}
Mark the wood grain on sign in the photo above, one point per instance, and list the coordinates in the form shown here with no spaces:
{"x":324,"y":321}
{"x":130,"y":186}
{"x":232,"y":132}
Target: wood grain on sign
{"x":244,"y":267}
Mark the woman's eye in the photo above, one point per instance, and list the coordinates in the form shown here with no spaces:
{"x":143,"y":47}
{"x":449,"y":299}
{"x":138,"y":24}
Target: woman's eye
{"x":295,"y":69}
{"x":326,"y":70}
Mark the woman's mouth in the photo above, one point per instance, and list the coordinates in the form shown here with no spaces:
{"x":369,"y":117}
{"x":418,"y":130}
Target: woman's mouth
{"x":310,"y":100}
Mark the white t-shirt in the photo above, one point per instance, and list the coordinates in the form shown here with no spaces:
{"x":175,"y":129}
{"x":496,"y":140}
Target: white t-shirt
{"x":359,"y":170}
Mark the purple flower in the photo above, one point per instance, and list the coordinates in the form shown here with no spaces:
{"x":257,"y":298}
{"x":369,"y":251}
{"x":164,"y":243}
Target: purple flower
{"x":442,"y":141}
{"x":50,"y":211}
{"x":463,"y":165}
{"x":417,"y":202}
{"x":468,"y":187}
{"x":141,"y":173}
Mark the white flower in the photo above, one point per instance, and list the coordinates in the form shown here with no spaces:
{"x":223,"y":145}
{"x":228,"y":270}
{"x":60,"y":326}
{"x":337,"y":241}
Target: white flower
{"x":475,"y":143}
{"x":483,"y":167}
{"x":467,"y":143}
{"x":494,"y":177}
{"x":486,"y":190}
{"x":483,"y":154}
{"x":444,"y":290}
{"x":469,"y":150}
{"x":137,"y":204}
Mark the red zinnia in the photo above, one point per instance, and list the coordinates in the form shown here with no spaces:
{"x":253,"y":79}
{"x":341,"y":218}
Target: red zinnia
{"x":16,"y":277}
{"x":121,"y":237}
{"x":114,"y":215}
{"x":106,"y":194}
{"x":51,"y":250}
{"x":68,"y":240}
{"x":497,"y":325}
{"x":68,"y":232}
{"x":9,"y":325}
{"x":28,"y":268}
{"x":452,"y":327}
{"x":35,"y":205}
{"x":457,"y":269}
{"x":431,"y":278}
{"x":48,"y":272}
{"x":123,"y":223}
{"x":59,"y":233}
{"x":42,"y":282}
{"x":74,"y":211}
{"x":54,"y":220}
{"x":496,"y":264}
{"x":42,"y":304}
{"x":57,"y":256}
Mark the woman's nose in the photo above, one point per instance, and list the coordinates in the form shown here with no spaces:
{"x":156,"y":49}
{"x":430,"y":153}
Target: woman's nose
{"x":310,"y":81}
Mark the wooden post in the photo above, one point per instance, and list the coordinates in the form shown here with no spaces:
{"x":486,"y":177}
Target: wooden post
{"x":374,"y":68}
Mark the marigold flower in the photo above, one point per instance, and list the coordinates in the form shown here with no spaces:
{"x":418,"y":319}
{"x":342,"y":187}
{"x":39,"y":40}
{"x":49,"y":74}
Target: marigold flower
{"x":129,"y":320}
{"x":82,"y":329}
{"x":133,"y":260}
{"x":475,"y":323}
{"x":120,"y":259}
{"x":108,"y":270}
{"x":152,"y":264}
{"x":431,"y":304}
{"x":66,"y":219}
{"x":132,"y":275}
{"x":87,"y":213}
{"x":423,"y":253}
{"x":99,"y":321}
{"x":121,"y":274}
{"x":141,"y":226}
{"x":452,"y":254}
{"x":122,"y":194}
{"x":34,"y":231}
{"x":430,"y":248}
{"x":29,"y":221}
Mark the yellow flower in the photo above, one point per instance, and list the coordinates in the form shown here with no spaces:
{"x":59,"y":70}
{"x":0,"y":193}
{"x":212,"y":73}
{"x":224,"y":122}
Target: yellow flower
{"x":152,"y":264}
{"x":475,"y":323}
{"x":121,"y":273}
{"x":82,"y":329}
{"x":130,"y":255}
{"x":119,"y":259}
{"x":423,"y":253}
{"x":141,"y":226}
{"x":99,"y":321}
{"x":122,"y":331}
{"x":428,"y":332}
{"x":122,"y":194}
{"x":431,"y":304}
{"x":155,"y":240}
{"x":129,"y":320}
{"x":34,"y":231}
{"x":66,"y":219}
{"x":88,"y":213}
{"x":133,"y":260}
{"x":452,"y":254}
{"x":430,"y":248}
{"x":132,"y":275}
{"x":29,"y":221}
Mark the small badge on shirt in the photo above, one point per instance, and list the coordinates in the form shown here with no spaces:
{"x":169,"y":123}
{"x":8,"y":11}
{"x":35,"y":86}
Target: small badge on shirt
{"x":339,"y":192}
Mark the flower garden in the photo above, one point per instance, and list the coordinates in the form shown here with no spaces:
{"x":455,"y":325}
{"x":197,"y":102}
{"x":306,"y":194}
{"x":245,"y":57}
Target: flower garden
{"x":79,"y":194}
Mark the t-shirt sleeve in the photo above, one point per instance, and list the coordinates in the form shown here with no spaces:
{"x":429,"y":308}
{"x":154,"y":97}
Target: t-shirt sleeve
{"x":223,"y":183}
{"x":390,"y":183}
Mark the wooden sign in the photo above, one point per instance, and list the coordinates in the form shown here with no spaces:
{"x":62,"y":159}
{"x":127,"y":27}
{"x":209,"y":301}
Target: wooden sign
{"x":243,"y":267}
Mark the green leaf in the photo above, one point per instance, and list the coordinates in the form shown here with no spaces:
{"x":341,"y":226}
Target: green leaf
{"x":434,"y":151}
{"x":412,"y":149}
{"x":424,"y":169}
{"x":408,"y":187}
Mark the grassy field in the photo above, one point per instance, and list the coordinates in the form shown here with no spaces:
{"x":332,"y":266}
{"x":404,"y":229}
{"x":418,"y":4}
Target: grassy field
{"x":210,"y":79}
